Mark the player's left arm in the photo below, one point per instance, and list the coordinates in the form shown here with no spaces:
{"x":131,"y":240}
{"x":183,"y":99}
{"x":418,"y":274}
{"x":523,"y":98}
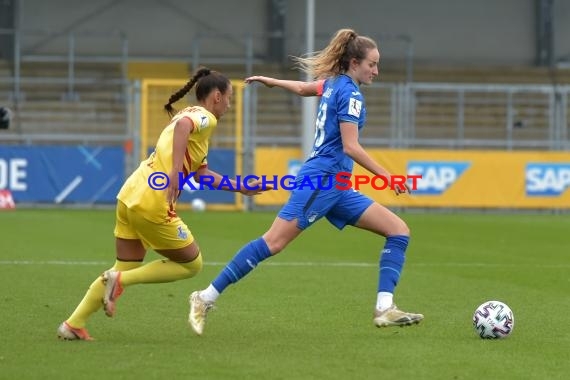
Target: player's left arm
{"x":314,"y":88}
{"x":255,"y":187}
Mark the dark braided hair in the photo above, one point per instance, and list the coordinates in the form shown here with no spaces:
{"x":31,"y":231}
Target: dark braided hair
{"x":207,"y":80}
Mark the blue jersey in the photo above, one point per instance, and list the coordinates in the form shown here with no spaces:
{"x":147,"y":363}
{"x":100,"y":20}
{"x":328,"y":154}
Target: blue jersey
{"x":341,"y":101}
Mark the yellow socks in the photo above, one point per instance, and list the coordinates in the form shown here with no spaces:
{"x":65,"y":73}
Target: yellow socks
{"x":133,"y":272}
{"x":159,"y":271}
{"x":93,"y":299}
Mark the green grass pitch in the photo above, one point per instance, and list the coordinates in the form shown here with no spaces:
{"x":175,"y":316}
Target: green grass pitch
{"x":304,"y":314}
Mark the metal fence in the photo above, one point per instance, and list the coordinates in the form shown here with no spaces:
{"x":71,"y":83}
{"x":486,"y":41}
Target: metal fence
{"x":416,"y":115}
{"x":434,"y":115}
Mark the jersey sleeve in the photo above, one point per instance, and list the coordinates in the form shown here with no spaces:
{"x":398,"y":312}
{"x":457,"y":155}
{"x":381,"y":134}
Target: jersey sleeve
{"x":198,"y":119}
{"x":350,"y":104}
{"x":320,"y":87}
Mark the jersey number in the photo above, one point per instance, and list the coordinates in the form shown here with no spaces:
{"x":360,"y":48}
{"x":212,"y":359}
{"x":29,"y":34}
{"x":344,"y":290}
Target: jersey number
{"x":320,"y":125}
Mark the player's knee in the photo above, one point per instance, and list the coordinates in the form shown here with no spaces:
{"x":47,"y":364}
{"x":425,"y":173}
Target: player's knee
{"x":404,"y":229}
{"x":400,"y":229}
{"x":275,"y":245}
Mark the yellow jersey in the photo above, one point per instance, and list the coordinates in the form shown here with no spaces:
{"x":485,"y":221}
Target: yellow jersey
{"x":136,"y":192}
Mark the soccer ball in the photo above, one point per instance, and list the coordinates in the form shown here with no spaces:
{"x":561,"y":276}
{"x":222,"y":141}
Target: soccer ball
{"x":493,"y":320}
{"x":198,"y":204}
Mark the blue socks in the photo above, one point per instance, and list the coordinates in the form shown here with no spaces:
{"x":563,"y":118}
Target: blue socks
{"x":243,"y":262}
{"x":391,"y":262}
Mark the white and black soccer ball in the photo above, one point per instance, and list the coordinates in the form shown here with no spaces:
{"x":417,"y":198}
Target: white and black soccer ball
{"x":198,"y":205}
{"x":493,"y":320}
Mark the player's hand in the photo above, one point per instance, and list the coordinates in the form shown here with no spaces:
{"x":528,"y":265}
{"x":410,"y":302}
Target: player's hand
{"x":261,"y":79}
{"x":172,"y":191}
{"x":401,"y":189}
{"x":257,"y":187}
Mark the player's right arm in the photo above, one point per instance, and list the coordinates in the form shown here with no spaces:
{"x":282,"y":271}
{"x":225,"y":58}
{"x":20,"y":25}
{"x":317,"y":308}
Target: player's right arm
{"x":301,"y":88}
{"x":182,"y":130}
{"x":352,"y":148}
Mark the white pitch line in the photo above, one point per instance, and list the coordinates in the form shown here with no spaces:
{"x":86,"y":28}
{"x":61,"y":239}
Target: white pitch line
{"x":299,"y":264}
{"x":68,"y":189}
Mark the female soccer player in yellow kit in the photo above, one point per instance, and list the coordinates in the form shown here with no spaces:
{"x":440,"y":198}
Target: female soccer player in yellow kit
{"x":146,"y":218}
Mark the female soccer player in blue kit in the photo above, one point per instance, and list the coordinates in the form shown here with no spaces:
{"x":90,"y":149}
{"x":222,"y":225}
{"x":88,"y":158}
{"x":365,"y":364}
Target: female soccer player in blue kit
{"x":346,"y":63}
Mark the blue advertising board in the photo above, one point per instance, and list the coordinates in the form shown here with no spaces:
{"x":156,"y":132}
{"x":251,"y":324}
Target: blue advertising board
{"x":62,"y":174}
{"x":81,"y":174}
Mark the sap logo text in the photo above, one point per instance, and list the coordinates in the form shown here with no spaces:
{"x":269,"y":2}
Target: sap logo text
{"x":437,"y":176}
{"x":547,"y":179}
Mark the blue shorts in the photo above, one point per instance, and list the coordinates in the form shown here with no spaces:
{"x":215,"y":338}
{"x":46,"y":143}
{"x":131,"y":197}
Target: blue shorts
{"x":340,"y":207}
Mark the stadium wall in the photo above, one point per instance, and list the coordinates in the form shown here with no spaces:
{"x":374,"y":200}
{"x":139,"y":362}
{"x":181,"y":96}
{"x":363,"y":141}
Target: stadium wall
{"x":443,"y":31}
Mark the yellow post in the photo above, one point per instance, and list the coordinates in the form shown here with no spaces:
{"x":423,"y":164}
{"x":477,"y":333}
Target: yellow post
{"x":239,"y":85}
{"x":144,"y":119}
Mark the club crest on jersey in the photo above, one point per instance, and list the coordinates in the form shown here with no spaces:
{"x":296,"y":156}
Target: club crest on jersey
{"x":354,"y":107}
{"x":203,"y":121}
{"x":181,"y":233}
